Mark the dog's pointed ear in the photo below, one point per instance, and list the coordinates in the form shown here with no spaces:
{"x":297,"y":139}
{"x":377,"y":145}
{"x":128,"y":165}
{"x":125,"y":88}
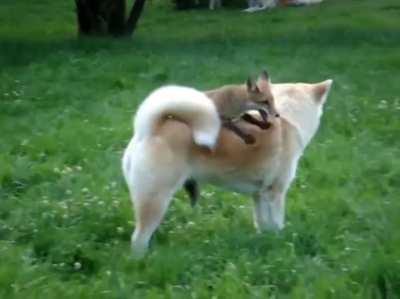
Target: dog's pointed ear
{"x":321,"y":90}
{"x":263,"y":81}
{"x":251,"y":85}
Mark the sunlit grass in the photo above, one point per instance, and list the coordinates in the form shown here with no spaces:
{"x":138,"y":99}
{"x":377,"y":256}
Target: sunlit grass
{"x":66,"y":109}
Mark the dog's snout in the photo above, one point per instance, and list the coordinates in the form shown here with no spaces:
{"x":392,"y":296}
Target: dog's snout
{"x":277,"y":115}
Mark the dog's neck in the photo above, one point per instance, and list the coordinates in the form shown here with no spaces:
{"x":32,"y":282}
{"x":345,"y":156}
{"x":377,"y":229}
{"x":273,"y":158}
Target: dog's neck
{"x":303,"y":116}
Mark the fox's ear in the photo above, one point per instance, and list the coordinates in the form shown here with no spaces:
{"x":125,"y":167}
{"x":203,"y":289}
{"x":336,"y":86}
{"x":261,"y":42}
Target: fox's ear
{"x":321,"y":90}
{"x":251,"y":85}
{"x":263,"y":81}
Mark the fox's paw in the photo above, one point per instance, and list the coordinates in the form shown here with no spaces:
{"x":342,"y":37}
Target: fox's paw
{"x":265,"y":125}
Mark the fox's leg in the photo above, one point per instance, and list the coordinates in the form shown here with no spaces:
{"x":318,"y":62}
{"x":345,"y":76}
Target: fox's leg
{"x":269,"y":210}
{"x":247,"y":138}
{"x":254,"y":121}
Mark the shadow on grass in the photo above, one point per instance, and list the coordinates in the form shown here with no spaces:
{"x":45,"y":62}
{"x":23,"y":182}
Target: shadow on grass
{"x":19,"y":53}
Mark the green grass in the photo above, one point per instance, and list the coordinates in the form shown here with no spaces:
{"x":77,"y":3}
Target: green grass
{"x":66,"y":109}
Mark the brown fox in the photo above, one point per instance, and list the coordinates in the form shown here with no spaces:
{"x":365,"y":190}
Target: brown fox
{"x":233,"y":101}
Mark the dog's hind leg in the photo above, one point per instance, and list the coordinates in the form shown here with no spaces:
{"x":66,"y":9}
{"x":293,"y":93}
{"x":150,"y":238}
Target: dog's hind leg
{"x":150,"y":209}
{"x":154,"y":175}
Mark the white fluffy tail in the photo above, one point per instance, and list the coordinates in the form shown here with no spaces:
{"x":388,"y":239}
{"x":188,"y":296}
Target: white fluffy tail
{"x":186,"y":104}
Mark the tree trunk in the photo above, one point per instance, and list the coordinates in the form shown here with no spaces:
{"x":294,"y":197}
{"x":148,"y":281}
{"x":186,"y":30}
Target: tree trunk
{"x":134,"y":16}
{"x":106,"y":17}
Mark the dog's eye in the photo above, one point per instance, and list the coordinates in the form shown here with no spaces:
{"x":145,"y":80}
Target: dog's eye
{"x":265,"y":102}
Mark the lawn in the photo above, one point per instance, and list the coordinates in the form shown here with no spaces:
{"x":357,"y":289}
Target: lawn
{"x":66,"y":108}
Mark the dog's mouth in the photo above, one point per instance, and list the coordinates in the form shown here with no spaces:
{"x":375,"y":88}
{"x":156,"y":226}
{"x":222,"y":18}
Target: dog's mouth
{"x":268,"y":109}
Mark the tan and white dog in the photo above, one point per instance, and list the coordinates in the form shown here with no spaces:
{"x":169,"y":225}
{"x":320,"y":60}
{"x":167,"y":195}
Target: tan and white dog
{"x":178,"y":135}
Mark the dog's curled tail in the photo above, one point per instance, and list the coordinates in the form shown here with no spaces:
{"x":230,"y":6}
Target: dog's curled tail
{"x":183,"y":103}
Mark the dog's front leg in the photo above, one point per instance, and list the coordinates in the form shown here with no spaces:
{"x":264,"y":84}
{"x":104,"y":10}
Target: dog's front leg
{"x":269,"y":210}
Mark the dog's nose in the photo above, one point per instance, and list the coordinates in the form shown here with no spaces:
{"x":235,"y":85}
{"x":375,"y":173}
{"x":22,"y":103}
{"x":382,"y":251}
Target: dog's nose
{"x":277,"y":115}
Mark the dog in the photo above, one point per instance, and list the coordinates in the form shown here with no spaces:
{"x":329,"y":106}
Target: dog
{"x":258,"y":5}
{"x":213,"y":4}
{"x":166,"y":151}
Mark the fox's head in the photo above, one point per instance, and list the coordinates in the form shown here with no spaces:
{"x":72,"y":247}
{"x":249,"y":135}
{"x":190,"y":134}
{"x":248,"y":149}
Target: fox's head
{"x":259,"y":95}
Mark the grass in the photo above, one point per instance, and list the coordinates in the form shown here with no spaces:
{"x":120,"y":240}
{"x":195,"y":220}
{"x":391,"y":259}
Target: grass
{"x":66,"y":108}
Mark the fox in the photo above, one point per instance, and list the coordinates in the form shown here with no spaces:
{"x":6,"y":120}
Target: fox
{"x":234,"y":101}
{"x":174,"y":127}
